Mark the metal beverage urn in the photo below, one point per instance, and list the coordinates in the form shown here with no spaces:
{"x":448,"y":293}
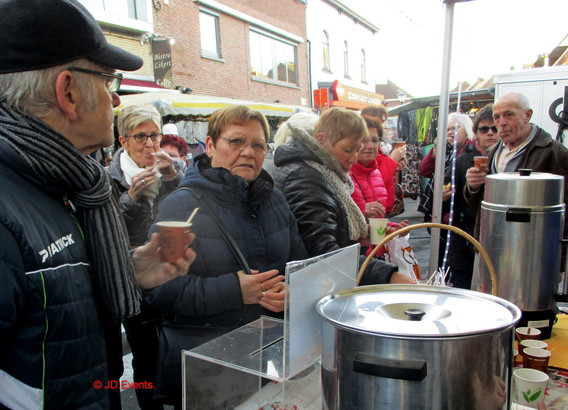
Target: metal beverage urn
{"x":521,"y":226}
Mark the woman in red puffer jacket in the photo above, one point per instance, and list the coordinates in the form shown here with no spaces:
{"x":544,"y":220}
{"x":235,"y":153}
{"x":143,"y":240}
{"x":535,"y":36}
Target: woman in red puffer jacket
{"x":373,"y":178}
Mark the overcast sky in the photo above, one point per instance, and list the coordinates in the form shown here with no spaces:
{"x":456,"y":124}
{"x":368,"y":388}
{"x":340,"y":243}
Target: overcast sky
{"x":489,"y":37}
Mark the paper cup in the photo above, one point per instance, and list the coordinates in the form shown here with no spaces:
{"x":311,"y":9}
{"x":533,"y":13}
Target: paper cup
{"x":481,"y":163}
{"x":534,"y":358}
{"x":398,"y":144}
{"x":529,"y":386}
{"x":524,"y":333}
{"x":173,"y":239}
{"x":378,"y":229}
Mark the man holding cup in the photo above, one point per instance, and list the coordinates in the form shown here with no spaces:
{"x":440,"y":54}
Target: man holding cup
{"x":67,"y":276}
{"x":523,"y":146}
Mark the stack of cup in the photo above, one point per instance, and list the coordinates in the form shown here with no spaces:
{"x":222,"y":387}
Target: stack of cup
{"x":533,"y":351}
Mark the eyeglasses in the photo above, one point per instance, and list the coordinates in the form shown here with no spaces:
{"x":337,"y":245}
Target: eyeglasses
{"x":485,"y":129}
{"x":241,"y":144}
{"x":142,"y":138}
{"x":115,"y":78}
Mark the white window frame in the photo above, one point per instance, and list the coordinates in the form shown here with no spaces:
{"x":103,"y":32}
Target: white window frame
{"x":207,"y":53}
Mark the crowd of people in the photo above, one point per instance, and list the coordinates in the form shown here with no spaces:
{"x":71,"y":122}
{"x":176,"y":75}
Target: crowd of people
{"x":80,"y":254}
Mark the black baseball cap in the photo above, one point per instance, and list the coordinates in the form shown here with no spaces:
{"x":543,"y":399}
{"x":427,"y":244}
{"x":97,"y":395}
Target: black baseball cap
{"x":44,"y":33}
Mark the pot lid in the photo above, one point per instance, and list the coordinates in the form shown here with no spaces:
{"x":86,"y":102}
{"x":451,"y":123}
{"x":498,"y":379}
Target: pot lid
{"x":417,"y":311}
{"x":524,"y":188}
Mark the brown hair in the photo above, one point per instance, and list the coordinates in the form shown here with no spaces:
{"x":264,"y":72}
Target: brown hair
{"x":373,"y":122}
{"x":337,"y":123}
{"x":234,"y":114}
{"x":378,"y":111}
{"x":484,"y":114}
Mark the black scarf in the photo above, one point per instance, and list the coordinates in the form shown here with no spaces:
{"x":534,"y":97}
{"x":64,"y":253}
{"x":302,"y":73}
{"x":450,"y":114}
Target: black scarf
{"x":53,"y":161}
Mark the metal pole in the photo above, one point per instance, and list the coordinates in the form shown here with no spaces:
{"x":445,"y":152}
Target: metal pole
{"x":441,"y":145}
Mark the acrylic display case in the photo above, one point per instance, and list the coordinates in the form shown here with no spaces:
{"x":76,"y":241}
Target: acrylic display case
{"x":271,"y":363}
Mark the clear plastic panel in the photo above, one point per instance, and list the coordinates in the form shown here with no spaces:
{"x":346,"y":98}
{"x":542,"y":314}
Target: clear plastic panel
{"x":308,"y":282}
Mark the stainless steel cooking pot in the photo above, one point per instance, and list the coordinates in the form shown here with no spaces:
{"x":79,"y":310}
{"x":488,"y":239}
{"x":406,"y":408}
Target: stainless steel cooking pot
{"x":416,"y":346}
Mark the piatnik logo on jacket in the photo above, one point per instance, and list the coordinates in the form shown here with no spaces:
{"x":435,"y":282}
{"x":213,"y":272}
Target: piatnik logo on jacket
{"x":56,"y":246}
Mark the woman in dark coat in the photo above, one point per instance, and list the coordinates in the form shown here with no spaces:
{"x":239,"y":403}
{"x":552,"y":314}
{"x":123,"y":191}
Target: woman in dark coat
{"x":217,"y":296}
{"x":312,"y":172}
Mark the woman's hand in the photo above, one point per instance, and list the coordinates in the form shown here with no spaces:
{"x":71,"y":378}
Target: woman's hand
{"x":398,"y":154}
{"x":165,"y":164}
{"x":149,"y":268}
{"x":395,"y":226}
{"x":374,"y":210}
{"x":273,"y":299}
{"x":255,"y":287}
{"x":141,"y":182}
{"x":401,"y":278}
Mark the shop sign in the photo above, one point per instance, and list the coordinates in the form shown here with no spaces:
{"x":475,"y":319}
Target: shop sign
{"x":162,"y":59}
{"x":354,"y":95}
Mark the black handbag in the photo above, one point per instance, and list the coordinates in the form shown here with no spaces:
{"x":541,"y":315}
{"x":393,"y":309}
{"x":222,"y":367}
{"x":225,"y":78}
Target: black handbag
{"x":173,"y":337}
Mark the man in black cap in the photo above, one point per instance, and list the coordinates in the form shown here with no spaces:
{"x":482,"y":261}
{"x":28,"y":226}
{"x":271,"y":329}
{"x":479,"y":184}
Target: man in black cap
{"x":67,"y":278}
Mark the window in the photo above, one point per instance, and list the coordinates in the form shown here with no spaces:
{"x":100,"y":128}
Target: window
{"x":346,"y":60}
{"x":272,"y":58}
{"x":363,"y":67}
{"x":325,"y":50}
{"x":137,"y":10}
{"x":209,"y":30}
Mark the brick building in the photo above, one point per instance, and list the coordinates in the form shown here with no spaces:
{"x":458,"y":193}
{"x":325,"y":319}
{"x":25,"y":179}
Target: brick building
{"x":244,"y":49}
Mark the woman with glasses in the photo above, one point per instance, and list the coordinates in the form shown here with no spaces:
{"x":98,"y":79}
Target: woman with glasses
{"x":373,"y":178}
{"x":461,"y":252}
{"x":143,"y":171}
{"x":217,"y":296}
{"x":144,"y":174}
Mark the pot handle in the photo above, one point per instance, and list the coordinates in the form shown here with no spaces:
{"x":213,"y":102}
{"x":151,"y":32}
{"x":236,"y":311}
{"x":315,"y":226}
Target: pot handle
{"x":415,"y":370}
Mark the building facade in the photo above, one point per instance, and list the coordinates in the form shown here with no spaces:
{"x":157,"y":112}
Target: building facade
{"x":343,"y":51}
{"x":243,"y":49}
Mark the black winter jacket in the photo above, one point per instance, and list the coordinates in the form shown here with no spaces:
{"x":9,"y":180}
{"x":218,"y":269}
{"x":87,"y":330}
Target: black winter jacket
{"x":52,"y":342}
{"x":321,"y":217}
{"x":259,"y":220}
{"x":138,"y":215}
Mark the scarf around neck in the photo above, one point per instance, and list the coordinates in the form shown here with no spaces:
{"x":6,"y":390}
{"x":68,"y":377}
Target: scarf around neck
{"x":52,"y":160}
{"x":131,"y":169}
{"x":339,"y":181}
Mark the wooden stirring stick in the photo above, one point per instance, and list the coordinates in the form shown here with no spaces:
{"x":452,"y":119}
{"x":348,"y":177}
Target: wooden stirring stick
{"x":191,"y":216}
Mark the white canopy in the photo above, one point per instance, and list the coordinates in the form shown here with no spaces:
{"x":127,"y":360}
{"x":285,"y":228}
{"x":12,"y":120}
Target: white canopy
{"x":190,"y":105}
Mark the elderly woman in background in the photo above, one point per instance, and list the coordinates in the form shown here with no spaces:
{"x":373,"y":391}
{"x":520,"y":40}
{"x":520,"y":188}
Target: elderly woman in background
{"x":218,"y":296}
{"x":459,"y":128}
{"x":312,"y":172}
{"x":460,"y":251}
{"x":144,"y":175}
{"x":176,"y":147}
{"x":143,"y":171}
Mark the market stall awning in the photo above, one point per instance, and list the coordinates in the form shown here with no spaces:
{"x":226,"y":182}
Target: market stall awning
{"x":191,"y":106}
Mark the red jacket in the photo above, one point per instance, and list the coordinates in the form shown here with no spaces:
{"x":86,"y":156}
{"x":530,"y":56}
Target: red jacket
{"x":370,"y":186}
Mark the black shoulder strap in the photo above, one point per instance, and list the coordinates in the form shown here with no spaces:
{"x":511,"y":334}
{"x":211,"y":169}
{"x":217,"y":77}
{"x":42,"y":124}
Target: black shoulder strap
{"x":226,"y":235}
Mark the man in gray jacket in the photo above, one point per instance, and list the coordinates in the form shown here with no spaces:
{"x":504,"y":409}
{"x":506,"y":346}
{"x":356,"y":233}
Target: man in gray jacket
{"x":67,"y":277}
